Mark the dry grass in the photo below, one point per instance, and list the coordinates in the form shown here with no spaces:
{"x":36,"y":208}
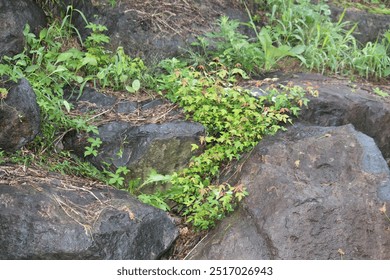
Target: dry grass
{"x":174,"y":16}
{"x":95,"y":195}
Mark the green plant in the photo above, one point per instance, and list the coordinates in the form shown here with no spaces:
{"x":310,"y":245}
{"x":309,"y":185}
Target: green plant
{"x":134,"y":187}
{"x":235,"y":49}
{"x":92,"y":149}
{"x":3,"y":93}
{"x":156,"y":199}
{"x":116,"y":179}
{"x":380,"y":92}
{"x":112,"y":3}
{"x":55,"y":59}
{"x":374,"y":59}
{"x":235,"y":121}
{"x":2,"y":157}
{"x":328,"y":46}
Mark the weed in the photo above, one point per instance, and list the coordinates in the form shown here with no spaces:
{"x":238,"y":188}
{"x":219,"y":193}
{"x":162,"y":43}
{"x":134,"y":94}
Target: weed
{"x":55,"y":59}
{"x":327,"y":46}
{"x":117,"y":179}
{"x":3,"y":93}
{"x":92,"y":149}
{"x":235,"y":49}
{"x":380,"y":92}
{"x":235,"y":121}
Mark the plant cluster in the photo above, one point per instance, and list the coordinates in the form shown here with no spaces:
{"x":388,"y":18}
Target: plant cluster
{"x":235,"y":121}
{"x":255,"y":55}
{"x":55,"y":59}
{"x":327,"y":46}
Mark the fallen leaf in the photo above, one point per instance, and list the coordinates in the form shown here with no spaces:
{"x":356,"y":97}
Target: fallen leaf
{"x":341,"y":252}
{"x":383,"y":209}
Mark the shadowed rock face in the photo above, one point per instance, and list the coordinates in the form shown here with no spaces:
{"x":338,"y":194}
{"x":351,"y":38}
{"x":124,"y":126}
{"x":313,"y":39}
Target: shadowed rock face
{"x":60,"y":218}
{"x":314,"y":192}
{"x":19,"y":116}
{"x":14,"y":15}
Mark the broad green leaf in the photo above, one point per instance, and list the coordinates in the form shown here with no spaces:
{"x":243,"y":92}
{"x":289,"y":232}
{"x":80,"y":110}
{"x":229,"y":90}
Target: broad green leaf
{"x":64,"y":57}
{"x":129,"y":89}
{"x":31,"y":68}
{"x":299,"y":49}
{"x":90,"y":60}
{"x":67,"y":105}
{"x":136,"y":85}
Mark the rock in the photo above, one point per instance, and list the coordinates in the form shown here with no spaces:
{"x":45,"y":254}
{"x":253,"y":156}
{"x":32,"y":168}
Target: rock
{"x":370,"y":26}
{"x":51,"y":216}
{"x":154,"y":143}
{"x":340,"y":102}
{"x":19,"y":116}
{"x":155,"y":30}
{"x":163,"y":147}
{"x":314,"y":193}
{"x":14,"y":15}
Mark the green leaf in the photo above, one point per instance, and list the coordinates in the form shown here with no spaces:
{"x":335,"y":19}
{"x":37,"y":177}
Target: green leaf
{"x":299,"y":49}
{"x":129,"y":89}
{"x":67,"y":105}
{"x":194,"y":147}
{"x":89,"y":60}
{"x":79,"y":79}
{"x":31,"y":68}
{"x":136,"y":85}
{"x":64,"y":57}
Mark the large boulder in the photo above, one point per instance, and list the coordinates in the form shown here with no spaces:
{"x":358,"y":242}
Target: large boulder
{"x":51,"y":216}
{"x":340,"y":102}
{"x":314,"y":193}
{"x":19,"y":116}
{"x":14,"y":15}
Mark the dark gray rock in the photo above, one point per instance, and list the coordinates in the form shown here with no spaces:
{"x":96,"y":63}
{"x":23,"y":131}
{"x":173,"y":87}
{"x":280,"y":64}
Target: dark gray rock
{"x":370,"y":26}
{"x":341,"y":102}
{"x":57,"y":217}
{"x":14,"y":15}
{"x":19,"y":116}
{"x":155,"y":30}
{"x":89,"y":98}
{"x":314,"y":193}
{"x":163,"y":147}
{"x":126,"y":107}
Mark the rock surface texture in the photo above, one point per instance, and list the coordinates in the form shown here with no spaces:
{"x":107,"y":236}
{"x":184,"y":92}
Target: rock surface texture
{"x":156,"y":29}
{"x":14,"y":15}
{"x":370,"y":26}
{"x":162,"y":143}
{"x":48,"y":216}
{"x":315,"y":193}
{"x":340,"y":102}
{"x":19,"y":116}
